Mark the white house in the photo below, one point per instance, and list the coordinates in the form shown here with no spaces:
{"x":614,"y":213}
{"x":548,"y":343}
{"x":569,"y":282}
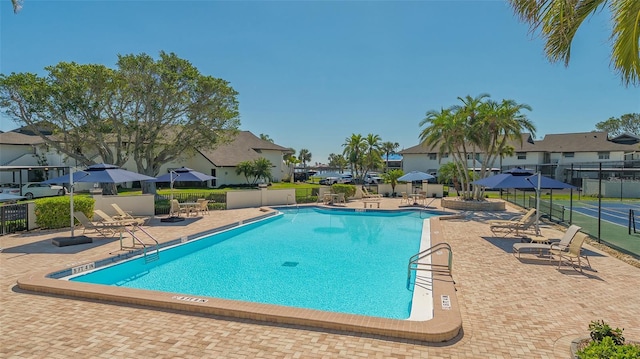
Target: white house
{"x":23,"y":149}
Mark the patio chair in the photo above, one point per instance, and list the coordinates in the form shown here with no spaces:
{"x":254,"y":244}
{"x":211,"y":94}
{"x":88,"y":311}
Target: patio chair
{"x":552,"y":245}
{"x":175,"y":209}
{"x":126,"y":215}
{"x":106,"y":230}
{"x":517,"y":225}
{"x":367,"y":194}
{"x":204,"y":205}
{"x":571,"y":252}
{"x":341,"y":198}
{"x":405,"y":198}
{"x":107,"y":219}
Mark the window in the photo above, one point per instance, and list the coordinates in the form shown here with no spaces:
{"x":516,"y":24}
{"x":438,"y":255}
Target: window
{"x":445,"y":155}
{"x":433,"y":156}
{"x":603,"y":155}
{"x":568,"y":154}
{"x":521,"y":155}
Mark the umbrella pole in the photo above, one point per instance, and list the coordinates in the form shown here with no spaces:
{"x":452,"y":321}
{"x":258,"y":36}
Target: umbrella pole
{"x":538,"y":204}
{"x":71,"y":200}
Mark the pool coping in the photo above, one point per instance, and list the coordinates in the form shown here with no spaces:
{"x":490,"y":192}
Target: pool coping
{"x":444,"y":326}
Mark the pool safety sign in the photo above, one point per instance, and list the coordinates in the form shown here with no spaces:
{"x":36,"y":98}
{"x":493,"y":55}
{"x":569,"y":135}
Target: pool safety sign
{"x":189,"y":299}
{"x":446,"y":302}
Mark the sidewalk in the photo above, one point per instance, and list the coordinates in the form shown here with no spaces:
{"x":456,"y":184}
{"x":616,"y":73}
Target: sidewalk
{"x":510,"y":308}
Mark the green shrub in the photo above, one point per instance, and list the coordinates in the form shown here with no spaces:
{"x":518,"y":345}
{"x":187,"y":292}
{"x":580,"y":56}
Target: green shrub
{"x":600,"y":330}
{"x":53,"y":212}
{"x":348,"y":189}
{"x":607,"y":348}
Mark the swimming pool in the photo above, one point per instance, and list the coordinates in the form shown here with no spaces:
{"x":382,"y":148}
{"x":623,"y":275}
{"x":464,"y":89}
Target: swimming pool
{"x":336,"y":261}
{"x":441,"y":322}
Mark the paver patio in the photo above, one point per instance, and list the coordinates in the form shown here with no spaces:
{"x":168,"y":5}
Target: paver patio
{"x":510,"y":308}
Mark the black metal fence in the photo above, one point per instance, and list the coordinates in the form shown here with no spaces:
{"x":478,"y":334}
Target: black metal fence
{"x":217,"y":201}
{"x":14,"y":218}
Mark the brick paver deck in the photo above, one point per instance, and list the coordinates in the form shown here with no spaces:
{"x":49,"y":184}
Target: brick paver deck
{"x":510,"y":308}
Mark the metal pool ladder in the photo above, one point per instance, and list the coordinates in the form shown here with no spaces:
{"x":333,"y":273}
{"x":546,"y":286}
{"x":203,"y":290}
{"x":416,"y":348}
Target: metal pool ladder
{"x":417,"y":263}
{"x":151,"y":251}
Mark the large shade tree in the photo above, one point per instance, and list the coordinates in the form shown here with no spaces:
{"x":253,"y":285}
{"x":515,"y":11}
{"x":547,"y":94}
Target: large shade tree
{"x":615,"y":126}
{"x":559,"y":20}
{"x":150,"y":111}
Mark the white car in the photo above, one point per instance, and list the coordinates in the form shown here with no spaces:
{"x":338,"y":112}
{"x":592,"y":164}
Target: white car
{"x":37,"y":189}
{"x":10,"y":188}
{"x":373,"y":179}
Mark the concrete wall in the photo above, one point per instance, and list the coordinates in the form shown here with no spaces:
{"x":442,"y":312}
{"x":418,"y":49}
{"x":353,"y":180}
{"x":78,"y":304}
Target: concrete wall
{"x":261,"y":197}
{"x":613,"y":189}
{"x":140,"y":206}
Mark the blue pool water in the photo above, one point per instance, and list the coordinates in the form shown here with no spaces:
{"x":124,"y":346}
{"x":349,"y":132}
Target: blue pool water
{"x":312,"y":258}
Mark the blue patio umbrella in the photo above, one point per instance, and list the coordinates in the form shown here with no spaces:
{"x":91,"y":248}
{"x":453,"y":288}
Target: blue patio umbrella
{"x":522,"y":180}
{"x":182,"y":174}
{"x":508,"y":180}
{"x":415,"y":176}
{"x":102,"y":173}
{"x":98,"y":173}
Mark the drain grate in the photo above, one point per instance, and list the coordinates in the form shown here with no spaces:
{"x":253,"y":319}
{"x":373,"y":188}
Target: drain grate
{"x":289,"y":264}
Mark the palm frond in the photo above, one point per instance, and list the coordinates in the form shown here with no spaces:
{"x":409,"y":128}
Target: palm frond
{"x":626,"y":40}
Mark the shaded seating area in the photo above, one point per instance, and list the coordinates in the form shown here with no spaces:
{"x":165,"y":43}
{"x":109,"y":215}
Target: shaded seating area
{"x":518,"y":225}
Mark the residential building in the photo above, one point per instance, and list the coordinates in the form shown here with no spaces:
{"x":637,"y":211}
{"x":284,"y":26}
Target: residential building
{"x":554,"y":155}
{"x":22,"y":149}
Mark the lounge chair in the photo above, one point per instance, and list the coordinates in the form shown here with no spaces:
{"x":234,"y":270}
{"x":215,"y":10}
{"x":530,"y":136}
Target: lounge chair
{"x":126,"y":215}
{"x":517,"y":225}
{"x":107,"y":219}
{"x":366,"y":194}
{"x":106,"y":230}
{"x":552,"y":246}
{"x":573,"y":251}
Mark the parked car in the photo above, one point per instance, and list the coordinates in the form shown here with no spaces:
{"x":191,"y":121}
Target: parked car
{"x":373,"y":179}
{"x":337,"y":179}
{"x":37,"y":189}
{"x":10,"y":188}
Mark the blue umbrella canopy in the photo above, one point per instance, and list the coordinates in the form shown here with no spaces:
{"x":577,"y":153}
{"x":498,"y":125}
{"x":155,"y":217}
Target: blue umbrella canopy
{"x":415,"y":176}
{"x":183,"y":174}
{"x":509,"y":180}
{"x":102,"y":173}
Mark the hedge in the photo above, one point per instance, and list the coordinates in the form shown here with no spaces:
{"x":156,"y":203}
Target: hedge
{"x":53,"y":212}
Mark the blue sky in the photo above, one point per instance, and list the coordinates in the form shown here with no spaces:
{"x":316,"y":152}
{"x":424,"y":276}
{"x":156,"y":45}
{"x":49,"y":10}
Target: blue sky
{"x":311,"y":73}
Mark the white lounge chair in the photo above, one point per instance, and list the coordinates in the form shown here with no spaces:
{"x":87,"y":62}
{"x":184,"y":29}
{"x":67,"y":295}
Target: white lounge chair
{"x":552,"y":246}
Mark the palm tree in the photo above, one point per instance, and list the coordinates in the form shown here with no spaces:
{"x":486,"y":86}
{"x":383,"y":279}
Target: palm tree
{"x":559,"y":20}
{"x":262,"y":169}
{"x":338,"y":161}
{"x":391,"y":177}
{"x":372,"y":158}
{"x":266,"y":138}
{"x":448,"y":130}
{"x":354,"y":148}
{"x":304,"y":156}
{"x":290,"y":160}
{"x":388,"y":148}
